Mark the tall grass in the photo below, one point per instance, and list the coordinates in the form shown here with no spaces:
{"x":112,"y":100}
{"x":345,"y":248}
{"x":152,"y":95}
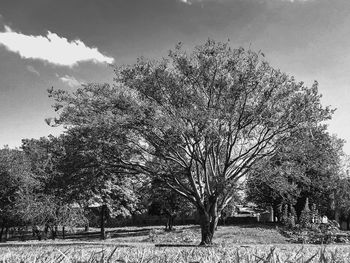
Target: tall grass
{"x":239,"y":254}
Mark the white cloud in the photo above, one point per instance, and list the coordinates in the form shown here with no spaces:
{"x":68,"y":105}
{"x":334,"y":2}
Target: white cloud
{"x":186,"y":2}
{"x":51,"y":48}
{"x":33,"y":70}
{"x":70,"y":81}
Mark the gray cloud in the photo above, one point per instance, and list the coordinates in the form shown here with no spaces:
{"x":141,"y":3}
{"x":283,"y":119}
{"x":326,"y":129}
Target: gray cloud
{"x":31,"y":69}
{"x":70,"y":81}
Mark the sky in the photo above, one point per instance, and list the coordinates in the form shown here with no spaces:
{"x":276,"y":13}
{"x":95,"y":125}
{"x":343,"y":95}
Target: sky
{"x":64,"y":43}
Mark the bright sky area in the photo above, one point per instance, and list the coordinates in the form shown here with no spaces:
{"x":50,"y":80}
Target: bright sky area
{"x":64,"y":43}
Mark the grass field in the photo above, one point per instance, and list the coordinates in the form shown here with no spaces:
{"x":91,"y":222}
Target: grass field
{"x":232,"y":244}
{"x":251,"y":253}
{"x":225,"y":235}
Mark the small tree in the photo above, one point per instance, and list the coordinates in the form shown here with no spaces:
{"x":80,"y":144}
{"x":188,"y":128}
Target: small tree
{"x":305,"y":216}
{"x":165,"y":201}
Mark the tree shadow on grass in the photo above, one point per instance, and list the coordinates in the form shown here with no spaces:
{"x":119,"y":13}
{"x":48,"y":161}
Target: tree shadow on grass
{"x":84,"y":236}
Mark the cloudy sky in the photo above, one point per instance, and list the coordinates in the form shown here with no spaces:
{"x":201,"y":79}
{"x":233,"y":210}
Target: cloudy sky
{"x":63,"y":43}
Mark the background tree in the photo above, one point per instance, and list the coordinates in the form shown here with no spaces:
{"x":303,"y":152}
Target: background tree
{"x":89,"y":167}
{"x":15,"y":176}
{"x":304,"y":166}
{"x":197,"y":121}
{"x":341,"y":197}
{"x":45,"y":214}
{"x":165,"y":201}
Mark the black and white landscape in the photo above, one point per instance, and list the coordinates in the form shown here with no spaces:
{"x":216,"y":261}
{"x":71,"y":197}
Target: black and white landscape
{"x":174,"y":131}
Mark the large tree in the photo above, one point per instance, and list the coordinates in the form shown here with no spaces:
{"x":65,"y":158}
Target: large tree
{"x":197,"y":121}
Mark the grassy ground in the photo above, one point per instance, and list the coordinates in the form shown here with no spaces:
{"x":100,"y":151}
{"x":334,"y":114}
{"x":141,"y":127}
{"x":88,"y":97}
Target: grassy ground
{"x":240,"y":254}
{"x":190,"y":235}
{"x":233,"y":244}
{"x":225,"y":235}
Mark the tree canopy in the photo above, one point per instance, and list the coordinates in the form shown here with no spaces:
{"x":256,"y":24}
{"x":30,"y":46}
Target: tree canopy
{"x":198,"y":121}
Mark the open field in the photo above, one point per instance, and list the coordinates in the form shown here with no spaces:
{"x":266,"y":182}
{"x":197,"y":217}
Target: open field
{"x":133,"y":244}
{"x":236,"y":253}
{"x":189,"y":235}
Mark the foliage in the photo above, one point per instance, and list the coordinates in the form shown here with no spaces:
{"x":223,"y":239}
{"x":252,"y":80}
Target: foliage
{"x":305,"y":165}
{"x":165,"y":201}
{"x":15,"y":176}
{"x":72,"y":170}
{"x":44,"y":212}
{"x":198,"y":121}
{"x":43,"y":155}
{"x":341,"y":195}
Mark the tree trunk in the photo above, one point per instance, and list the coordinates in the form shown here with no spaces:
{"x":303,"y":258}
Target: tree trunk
{"x":63,"y":232}
{"x":54,"y":231}
{"x":337,"y":215}
{"x":87,"y":227}
{"x":167,"y":224}
{"x":46,"y":231}
{"x":23,"y":231}
{"x":208,"y":226}
{"x":2,"y":231}
{"x":276,"y":214}
{"x":102,"y":222}
{"x":170,"y":222}
{"x":36,"y":232}
{"x":7,"y":233}
{"x":271,"y":214}
{"x":209,"y":220}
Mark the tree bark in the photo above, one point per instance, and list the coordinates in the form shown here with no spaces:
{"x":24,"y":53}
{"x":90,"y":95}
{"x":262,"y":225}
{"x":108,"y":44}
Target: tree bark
{"x":208,"y":227}
{"x":337,"y":215}
{"x":63,"y":232}
{"x":46,"y":231}
{"x":102,"y":222}
{"x":2,"y":232}
{"x":87,"y":227}
{"x":170,"y":223}
{"x":167,"y":224}
{"x":208,"y":220}
{"x":36,"y":232}
{"x":7,"y":233}
{"x":54,"y":231}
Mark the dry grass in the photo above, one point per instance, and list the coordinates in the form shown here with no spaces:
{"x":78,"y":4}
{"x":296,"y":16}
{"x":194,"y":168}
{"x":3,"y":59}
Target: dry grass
{"x":239,"y":254}
{"x":190,"y":234}
{"x":233,"y":244}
